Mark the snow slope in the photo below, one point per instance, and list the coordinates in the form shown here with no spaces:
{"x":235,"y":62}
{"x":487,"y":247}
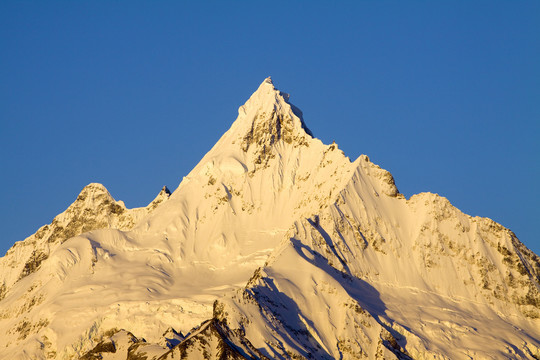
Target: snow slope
{"x":417,"y":275}
{"x":307,"y":254}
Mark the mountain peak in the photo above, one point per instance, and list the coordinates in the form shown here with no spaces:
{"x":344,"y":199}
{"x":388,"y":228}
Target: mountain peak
{"x":266,"y":118}
{"x":267,"y":124}
{"x":162,"y":196}
{"x":93,"y":192}
{"x":94,"y":187}
{"x":268,"y":80}
{"x":267,"y":94}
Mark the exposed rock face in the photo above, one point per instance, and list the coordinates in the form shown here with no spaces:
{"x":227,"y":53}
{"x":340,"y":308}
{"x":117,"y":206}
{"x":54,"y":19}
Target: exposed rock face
{"x":274,"y":246}
{"x":213,"y":340}
{"x":274,"y":120}
{"x":121,"y":344}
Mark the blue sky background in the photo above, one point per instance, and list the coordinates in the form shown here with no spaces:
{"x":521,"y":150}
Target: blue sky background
{"x":445,"y":95}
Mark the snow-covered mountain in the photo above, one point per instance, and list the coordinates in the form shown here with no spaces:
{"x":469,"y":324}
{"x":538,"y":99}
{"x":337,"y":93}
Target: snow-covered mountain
{"x":275,"y":246}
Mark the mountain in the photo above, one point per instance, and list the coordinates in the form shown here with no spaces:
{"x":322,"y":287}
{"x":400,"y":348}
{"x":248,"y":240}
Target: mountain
{"x":275,"y":246}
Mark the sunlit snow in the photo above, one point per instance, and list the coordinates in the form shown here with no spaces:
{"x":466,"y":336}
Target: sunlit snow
{"x":274,"y":246}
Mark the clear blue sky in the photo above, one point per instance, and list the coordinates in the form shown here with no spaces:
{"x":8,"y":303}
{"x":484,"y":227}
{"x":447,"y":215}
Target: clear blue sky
{"x":443,"y":94}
